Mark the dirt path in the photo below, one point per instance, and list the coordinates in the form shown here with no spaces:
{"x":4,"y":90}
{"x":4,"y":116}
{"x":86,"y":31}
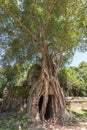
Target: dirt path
{"x":23,"y":122}
{"x":51,"y":127}
{"x":79,"y":126}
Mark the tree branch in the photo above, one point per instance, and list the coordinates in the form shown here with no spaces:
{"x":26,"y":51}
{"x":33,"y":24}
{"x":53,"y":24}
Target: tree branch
{"x":18,"y":21}
{"x":49,"y":14}
{"x":61,"y":56}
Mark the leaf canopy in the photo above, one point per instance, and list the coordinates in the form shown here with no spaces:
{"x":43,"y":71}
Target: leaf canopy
{"x":23,"y":22}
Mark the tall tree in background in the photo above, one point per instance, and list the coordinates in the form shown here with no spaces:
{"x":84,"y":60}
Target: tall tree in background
{"x":47,"y":31}
{"x":73,"y":80}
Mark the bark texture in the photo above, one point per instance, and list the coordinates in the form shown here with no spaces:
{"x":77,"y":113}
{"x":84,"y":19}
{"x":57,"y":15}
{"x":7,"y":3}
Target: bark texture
{"x":46,"y":99}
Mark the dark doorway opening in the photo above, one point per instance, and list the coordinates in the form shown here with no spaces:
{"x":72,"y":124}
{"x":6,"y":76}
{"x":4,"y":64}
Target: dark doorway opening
{"x":49,"y":109}
{"x":40,"y":103}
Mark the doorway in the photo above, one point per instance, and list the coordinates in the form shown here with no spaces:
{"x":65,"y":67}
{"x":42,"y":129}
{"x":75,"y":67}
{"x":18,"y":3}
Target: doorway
{"x":49,"y":109}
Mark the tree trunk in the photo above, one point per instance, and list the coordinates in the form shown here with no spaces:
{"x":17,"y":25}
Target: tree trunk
{"x":52,"y":105}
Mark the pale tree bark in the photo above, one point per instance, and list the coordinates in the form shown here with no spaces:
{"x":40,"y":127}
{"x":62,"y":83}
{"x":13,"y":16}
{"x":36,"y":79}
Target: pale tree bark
{"x":49,"y":79}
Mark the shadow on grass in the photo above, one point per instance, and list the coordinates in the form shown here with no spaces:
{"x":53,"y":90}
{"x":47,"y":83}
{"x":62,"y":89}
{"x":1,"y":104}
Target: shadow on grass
{"x":80,"y":113}
{"x":85,"y":112}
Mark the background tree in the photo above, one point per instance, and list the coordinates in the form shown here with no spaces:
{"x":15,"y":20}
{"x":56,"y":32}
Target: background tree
{"x":50,"y":28}
{"x":73,"y":80}
{"x":10,"y":76}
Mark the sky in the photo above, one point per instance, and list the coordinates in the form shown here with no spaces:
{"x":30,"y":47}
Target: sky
{"x":78,"y":58}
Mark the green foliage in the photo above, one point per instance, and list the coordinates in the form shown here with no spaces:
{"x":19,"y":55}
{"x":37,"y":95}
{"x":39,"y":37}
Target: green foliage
{"x":10,"y":76}
{"x":80,"y":113}
{"x":13,"y":121}
{"x":74,"y":80}
{"x":19,"y":91}
{"x":22,"y":24}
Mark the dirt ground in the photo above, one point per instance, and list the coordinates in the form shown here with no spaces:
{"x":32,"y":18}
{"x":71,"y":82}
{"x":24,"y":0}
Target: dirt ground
{"x":75,"y":127}
{"x":20,"y":121}
{"x":78,"y":125}
{"x":82,"y":126}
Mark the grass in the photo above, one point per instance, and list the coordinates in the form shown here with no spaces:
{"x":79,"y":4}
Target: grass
{"x":79,"y":112}
{"x":80,"y":116}
{"x":11,"y":122}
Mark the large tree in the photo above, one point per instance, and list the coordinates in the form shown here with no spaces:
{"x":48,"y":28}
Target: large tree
{"x":47,"y":31}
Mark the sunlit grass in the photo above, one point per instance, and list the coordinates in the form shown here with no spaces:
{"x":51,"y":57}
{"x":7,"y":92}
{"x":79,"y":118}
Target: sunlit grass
{"x":79,"y":112}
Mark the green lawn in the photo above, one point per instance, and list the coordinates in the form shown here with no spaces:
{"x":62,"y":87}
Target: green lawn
{"x":82,"y":113}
